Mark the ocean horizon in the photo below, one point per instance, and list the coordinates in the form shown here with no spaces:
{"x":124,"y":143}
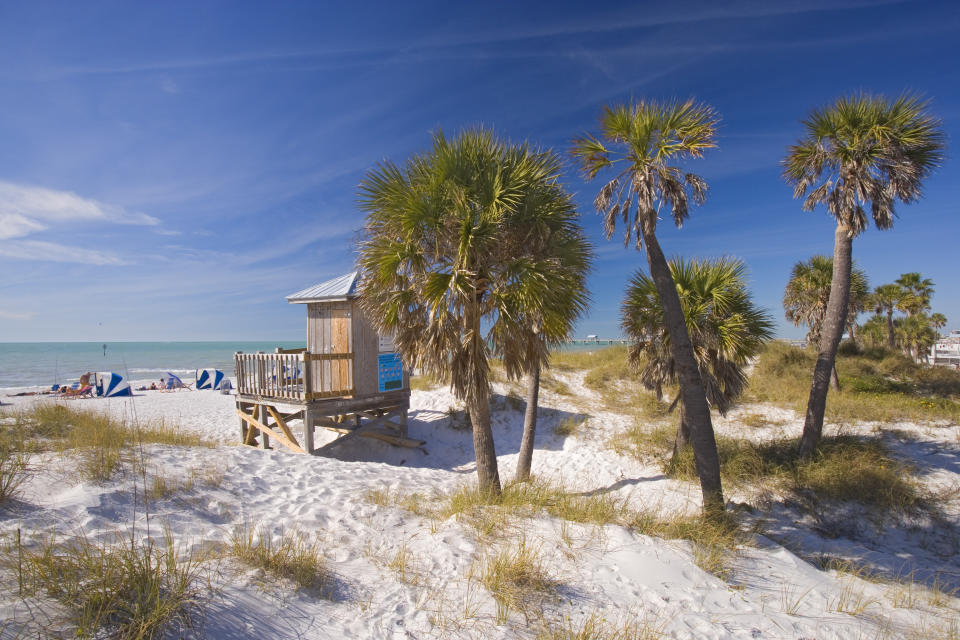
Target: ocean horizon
{"x":31,"y":364}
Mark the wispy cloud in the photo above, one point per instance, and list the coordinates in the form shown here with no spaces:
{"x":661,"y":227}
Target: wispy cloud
{"x":54,"y":252}
{"x":27,"y":209}
{"x":17,"y":315}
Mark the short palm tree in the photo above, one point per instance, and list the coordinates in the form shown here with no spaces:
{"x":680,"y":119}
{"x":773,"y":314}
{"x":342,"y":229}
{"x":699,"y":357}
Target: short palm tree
{"x":808,"y":292}
{"x":938,"y":321}
{"x":917,"y":334}
{"x":554,"y":251}
{"x":886,"y":299}
{"x":874,"y":331}
{"x":917,"y":292}
{"x":444,"y":264}
{"x":637,"y":147}
{"x":725,"y":327}
{"x":862,"y":151}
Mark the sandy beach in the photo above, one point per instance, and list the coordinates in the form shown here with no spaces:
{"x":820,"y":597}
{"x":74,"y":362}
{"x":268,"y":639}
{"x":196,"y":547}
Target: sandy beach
{"x":602,"y":572}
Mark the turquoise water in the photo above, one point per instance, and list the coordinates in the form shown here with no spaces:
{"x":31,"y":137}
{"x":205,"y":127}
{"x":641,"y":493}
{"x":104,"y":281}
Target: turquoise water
{"x":45,"y":363}
{"x":25,"y":364}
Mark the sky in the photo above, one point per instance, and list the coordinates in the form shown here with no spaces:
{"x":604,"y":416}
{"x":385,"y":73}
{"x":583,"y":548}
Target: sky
{"x":171,"y":171}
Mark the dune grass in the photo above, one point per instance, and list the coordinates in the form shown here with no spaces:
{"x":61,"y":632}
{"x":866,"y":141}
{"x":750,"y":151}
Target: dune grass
{"x":14,"y":467}
{"x":844,"y":468}
{"x":492,"y":517}
{"x":130,"y":588}
{"x":597,"y":626}
{"x":289,"y":555}
{"x":516,"y":578}
{"x":103,"y":445}
{"x":876,"y":385}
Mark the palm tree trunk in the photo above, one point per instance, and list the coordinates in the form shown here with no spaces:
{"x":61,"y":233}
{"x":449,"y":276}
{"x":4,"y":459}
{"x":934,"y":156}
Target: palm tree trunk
{"x":694,"y":397}
{"x":525,"y":457}
{"x":890,"y":340}
{"x":830,"y":336}
{"x":683,"y":436}
{"x":834,"y":378}
{"x":478,"y":404}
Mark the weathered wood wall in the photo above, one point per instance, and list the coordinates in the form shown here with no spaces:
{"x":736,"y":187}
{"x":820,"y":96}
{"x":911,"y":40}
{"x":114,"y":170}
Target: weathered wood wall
{"x":328,"y":331}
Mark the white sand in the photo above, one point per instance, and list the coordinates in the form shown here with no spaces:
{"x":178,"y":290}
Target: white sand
{"x":607,"y":571}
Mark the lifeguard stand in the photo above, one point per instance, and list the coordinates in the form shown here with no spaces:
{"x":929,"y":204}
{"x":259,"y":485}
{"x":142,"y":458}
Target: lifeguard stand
{"x":348,"y":379}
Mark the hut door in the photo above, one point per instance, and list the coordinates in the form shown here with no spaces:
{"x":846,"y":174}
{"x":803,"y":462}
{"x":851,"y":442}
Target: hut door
{"x":341,"y":368}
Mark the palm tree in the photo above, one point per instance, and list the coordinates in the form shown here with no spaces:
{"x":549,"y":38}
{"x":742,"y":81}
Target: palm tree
{"x":443,"y":264}
{"x":558,"y":253}
{"x":938,"y":321}
{"x":917,"y":334}
{"x":885,"y":299}
{"x":874,"y":331}
{"x":808,"y":291}
{"x":862,"y":150}
{"x":725,"y":327}
{"x":917,"y":292}
{"x":636,"y":145}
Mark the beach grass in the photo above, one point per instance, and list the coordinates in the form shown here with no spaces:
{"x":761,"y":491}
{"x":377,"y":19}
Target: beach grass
{"x":875,"y":385}
{"x":102,"y":444}
{"x":516,"y":577}
{"x":713,"y":538}
{"x":290,"y":555}
{"x":843,"y":468}
{"x":131,"y":588}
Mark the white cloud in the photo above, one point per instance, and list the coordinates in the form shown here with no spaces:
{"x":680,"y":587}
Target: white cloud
{"x":17,"y":315}
{"x":26,"y":209}
{"x":53,"y":252}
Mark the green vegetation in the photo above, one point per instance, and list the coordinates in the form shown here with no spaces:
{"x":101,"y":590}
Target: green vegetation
{"x":291,"y":556}
{"x":134,"y":588}
{"x":516,"y":578}
{"x":876,"y":385}
{"x":598,"y":627}
{"x":104,"y":445}
{"x":842,"y":468}
{"x":492,"y":517}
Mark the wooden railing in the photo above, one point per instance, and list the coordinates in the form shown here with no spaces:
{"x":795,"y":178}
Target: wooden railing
{"x":298,"y":376}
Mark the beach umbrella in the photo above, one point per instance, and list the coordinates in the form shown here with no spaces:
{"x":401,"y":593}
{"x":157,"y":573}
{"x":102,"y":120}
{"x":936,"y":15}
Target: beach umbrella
{"x":111,"y":385}
{"x":209,"y":378}
{"x":171,"y":381}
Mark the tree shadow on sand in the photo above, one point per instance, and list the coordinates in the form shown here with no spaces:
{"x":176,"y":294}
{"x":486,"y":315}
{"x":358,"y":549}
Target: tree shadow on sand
{"x":449,"y":440}
{"x":921,"y":544}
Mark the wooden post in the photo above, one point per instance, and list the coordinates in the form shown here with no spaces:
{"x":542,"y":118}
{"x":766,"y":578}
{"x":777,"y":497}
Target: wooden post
{"x":264,"y":418}
{"x":308,"y":430}
{"x":243,"y":425}
{"x":403,"y":419}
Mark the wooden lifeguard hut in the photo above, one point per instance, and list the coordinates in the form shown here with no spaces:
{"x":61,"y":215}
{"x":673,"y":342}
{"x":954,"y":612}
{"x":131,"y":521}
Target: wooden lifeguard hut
{"x":348,"y":379}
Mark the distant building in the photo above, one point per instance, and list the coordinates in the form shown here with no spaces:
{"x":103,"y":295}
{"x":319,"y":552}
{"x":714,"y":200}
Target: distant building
{"x":947,"y":350}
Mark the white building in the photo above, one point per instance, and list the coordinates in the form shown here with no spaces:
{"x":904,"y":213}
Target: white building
{"x":947,"y":350}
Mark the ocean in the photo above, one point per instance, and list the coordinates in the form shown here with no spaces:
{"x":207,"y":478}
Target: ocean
{"x":27,"y":364}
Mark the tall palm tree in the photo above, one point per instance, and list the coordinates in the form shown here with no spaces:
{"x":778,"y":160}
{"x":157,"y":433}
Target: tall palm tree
{"x":861,"y":151}
{"x":885,"y":299}
{"x":807,"y":293}
{"x":725,"y":327}
{"x":637,"y":145}
{"x":917,"y":292}
{"x":557,"y":253}
{"x":443,"y":264}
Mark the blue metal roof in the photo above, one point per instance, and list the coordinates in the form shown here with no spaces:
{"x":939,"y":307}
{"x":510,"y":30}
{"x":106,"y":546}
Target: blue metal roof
{"x":337,"y":289}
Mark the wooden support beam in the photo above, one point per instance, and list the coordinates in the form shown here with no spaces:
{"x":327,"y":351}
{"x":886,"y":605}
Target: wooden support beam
{"x":307,"y":431}
{"x":281,"y":438}
{"x":283,"y":425}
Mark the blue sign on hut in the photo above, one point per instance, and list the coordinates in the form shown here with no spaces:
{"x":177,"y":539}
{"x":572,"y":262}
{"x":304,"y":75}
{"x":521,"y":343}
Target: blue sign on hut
{"x":348,"y":379}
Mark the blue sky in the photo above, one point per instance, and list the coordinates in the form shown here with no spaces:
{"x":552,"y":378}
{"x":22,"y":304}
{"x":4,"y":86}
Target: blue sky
{"x":169,"y":171}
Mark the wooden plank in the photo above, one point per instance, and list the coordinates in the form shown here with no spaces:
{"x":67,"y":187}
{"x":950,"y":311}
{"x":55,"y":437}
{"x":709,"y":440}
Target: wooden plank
{"x":265,"y":429}
{"x":340,"y":343}
{"x":327,"y":356}
{"x":283,"y":425}
{"x":393,"y":439}
{"x":307,"y":431}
